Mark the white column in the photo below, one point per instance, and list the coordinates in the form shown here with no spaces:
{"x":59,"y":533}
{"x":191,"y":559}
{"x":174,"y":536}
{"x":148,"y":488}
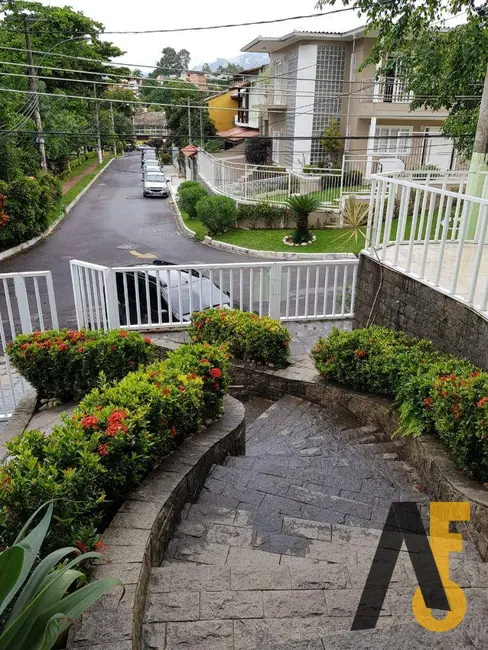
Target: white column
{"x":307,"y":68}
{"x":371,"y":135}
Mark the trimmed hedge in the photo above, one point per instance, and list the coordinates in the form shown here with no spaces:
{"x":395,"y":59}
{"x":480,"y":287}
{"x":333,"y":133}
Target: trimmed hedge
{"x":435,"y":393}
{"x":246,"y":335}
{"x":67,"y":363}
{"x":189,"y":196}
{"x":217,"y":213}
{"x":115,"y":437}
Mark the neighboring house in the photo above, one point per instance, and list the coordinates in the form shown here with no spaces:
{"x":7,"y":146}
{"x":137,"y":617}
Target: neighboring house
{"x":134,"y":84}
{"x":150,"y":124}
{"x":196,"y":77}
{"x":222,"y":109}
{"x":315,"y":77}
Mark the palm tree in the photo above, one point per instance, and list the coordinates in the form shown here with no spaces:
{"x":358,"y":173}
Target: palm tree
{"x":301,"y":206}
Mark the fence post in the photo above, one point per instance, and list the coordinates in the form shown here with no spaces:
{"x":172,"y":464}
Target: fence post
{"x":23,"y":304}
{"x":111,"y":302}
{"x":275,"y":290}
{"x":341,"y":218}
{"x":245,"y":181}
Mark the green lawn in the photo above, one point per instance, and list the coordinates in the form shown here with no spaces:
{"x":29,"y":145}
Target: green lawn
{"x":73,"y":192}
{"x":196,"y":225}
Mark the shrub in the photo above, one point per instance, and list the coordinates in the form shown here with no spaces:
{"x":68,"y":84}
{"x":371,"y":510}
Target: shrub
{"x":246,"y":335}
{"x":352,"y":178}
{"x":217,"y":213}
{"x":41,"y":601}
{"x":67,"y":363}
{"x":188,"y":198}
{"x":165,"y":158}
{"x":267,"y":214}
{"x":186,"y":184}
{"x":435,"y":393}
{"x":258,"y":150}
{"x":301,"y":206}
{"x":93,"y":459}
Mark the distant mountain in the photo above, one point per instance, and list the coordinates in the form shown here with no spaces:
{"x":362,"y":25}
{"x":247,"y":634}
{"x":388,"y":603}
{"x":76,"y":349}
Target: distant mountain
{"x":247,"y":60}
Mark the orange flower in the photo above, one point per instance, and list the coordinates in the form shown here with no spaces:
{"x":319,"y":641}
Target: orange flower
{"x":215,"y":373}
{"x":81,"y":349}
{"x":192,"y":376}
{"x":482,"y":402}
{"x":122,"y":334}
{"x":148,"y":340}
{"x":103,"y":449}
{"x":100,"y":546}
{"x":428,"y":402}
{"x":89,"y":421}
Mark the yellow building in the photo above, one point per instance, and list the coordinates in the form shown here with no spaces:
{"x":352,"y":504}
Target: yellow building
{"x":223,"y":119}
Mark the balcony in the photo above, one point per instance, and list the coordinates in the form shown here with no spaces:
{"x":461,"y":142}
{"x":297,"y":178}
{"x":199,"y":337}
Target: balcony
{"x":242,"y":117}
{"x":389,"y":90}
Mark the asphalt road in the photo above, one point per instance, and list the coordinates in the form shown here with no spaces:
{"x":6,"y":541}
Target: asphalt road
{"x":109,"y":222}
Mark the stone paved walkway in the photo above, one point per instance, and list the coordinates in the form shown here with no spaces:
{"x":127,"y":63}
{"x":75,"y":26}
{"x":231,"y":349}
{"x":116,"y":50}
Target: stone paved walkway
{"x":275,"y":552}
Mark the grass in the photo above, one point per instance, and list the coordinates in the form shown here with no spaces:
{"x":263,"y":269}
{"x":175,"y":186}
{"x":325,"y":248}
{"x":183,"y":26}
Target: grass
{"x":73,"y":192}
{"x":196,"y":225}
{"x":76,"y":171}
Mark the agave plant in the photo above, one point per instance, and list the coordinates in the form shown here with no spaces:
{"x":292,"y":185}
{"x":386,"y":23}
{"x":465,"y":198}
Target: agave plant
{"x":40,"y":606}
{"x":355,"y":215}
{"x":301,"y":206}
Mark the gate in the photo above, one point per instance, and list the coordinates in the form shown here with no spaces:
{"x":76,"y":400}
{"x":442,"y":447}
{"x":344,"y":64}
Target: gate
{"x":27,"y":303}
{"x":159,"y":297}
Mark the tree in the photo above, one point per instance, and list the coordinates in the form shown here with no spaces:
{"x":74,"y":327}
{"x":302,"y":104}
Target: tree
{"x":332,"y":142}
{"x":301,"y":206}
{"x":206,"y":68}
{"x":438,"y":67}
{"x":230,"y":68}
{"x":171,"y":63}
{"x":258,"y":150}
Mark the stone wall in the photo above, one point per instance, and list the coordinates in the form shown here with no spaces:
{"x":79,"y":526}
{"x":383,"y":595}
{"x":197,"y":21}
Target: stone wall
{"x":406,"y":304}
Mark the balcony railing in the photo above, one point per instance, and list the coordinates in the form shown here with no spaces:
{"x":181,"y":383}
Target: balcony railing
{"x":389,"y":90}
{"x":426,"y":225}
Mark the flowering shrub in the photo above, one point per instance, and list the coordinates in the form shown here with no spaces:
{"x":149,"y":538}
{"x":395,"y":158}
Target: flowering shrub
{"x":93,"y":459}
{"x":67,"y":363}
{"x":435,"y":393}
{"x":246,"y":335}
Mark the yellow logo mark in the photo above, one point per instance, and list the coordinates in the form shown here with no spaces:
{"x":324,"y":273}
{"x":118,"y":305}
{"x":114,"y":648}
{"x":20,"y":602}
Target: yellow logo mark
{"x":443,"y":542}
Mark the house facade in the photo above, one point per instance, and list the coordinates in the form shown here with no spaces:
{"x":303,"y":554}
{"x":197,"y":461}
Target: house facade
{"x":316,"y":77}
{"x":223,"y":108}
{"x":149,"y":124}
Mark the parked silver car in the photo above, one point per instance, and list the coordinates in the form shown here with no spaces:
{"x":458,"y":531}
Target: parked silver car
{"x":155,"y":184}
{"x":151,"y":167}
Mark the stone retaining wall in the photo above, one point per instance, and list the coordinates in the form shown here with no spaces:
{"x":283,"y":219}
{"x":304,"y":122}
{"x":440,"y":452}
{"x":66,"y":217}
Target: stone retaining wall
{"x":137,"y":537}
{"x":420,"y":310}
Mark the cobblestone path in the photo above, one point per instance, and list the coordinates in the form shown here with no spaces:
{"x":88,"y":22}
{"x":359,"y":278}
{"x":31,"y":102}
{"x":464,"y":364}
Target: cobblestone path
{"x":276,"y":551}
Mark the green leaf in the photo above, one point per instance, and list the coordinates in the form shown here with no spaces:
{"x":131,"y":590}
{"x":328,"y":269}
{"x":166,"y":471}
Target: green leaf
{"x":26,"y":526}
{"x":51,"y":632}
{"x":11,"y":562}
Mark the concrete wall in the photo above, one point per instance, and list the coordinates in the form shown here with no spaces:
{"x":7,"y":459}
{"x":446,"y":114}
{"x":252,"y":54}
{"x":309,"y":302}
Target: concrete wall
{"x":406,"y":304}
{"x":218,"y":110}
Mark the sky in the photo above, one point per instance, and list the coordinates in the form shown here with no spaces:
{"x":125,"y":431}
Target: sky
{"x":120,"y":15}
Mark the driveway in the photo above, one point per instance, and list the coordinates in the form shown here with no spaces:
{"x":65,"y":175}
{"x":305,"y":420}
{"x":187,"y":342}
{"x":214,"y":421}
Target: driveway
{"x":112,"y":225}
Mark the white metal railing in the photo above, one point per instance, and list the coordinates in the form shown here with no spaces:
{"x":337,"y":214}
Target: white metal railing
{"x":162,"y":297}
{"x":27,"y":303}
{"x":427,"y":226}
{"x":253,"y":183}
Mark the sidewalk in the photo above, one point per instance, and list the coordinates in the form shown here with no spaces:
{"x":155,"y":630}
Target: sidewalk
{"x":72,"y":181}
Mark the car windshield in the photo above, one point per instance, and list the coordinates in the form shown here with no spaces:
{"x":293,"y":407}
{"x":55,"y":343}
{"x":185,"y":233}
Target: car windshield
{"x":152,"y":168}
{"x":156,"y":178}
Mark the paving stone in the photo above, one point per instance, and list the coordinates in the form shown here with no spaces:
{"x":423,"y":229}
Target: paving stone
{"x":187,"y":577}
{"x":310,"y":529}
{"x":199,"y":512}
{"x":241,"y":462}
{"x":243,"y":494}
{"x":244,"y":557}
{"x":280,"y":543}
{"x":197,"y":551}
{"x":154,"y":636}
{"x":265,"y":634}
{"x":160,"y":580}
{"x":215,"y":485}
{"x":345,"y":602}
{"x":316,"y":497}
{"x":270,"y":484}
{"x":231,"y":604}
{"x":282,"y":505}
{"x":283,"y":604}
{"x":263,"y":578}
{"x":231,"y":535}
{"x":236,"y":475}
{"x":175,"y":606}
{"x":191,"y":528}
{"x":330,"y":576}
{"x":200,"y":635}
{"x":357,"y":496}
{"x":328,"y":552}
{"x":360,"y":536}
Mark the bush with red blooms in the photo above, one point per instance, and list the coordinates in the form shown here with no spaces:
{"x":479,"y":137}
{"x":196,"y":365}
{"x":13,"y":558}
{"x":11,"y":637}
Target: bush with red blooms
{"x":108,"y":445}
{"x":67,"y":363}
{"x":435,"y":393}
{"x":247,"y":335}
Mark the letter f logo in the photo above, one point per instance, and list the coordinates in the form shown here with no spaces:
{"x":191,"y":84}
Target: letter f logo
{"x":430,"y":563}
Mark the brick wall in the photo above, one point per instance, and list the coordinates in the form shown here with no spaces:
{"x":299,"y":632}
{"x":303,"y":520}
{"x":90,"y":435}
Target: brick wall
{"x":403,"y":303}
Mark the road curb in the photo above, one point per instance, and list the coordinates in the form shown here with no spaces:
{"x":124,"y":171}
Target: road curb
{"x":180,"y":224}
{"x":26,"y":245}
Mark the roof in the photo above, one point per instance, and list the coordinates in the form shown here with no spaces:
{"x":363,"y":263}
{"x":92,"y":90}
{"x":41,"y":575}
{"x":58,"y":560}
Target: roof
{"x":238,"y":133}
{"x":150,"y":118}
{"x":189,"y":151}
{"x":227,"y":91}
{"x":271,"y":44}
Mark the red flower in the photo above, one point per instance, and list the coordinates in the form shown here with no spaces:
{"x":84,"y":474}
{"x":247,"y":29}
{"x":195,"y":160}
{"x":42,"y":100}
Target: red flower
{"x":200,"y":325}
{"x":5,"y":480}
{"x":192,"y":376}
{"x":122,"y":334}
{"x":215,"y":373}
{"x":25,"y":346}
{"x":103,"y":449}
{"x":174,"y":433}
{"x":81,"y":349}
{"x":482,"y":402}
{"x":62,"y":347}
{"x":148,"y":340}
{"x":182,"y":389}
{"x":99,"y":546}
{"x":360,"y":354}
{"x":113,"y":348}
{"x":81,"y":546}
{"x":164,"y":422}
{"x":89,"y":421}
{"x":428,"y":402}
{"x":476,"y":374}
{"x":456,"y":411}
{"x":204,"y":362}
{"x":166,"y":392}
{"x":216,"y":386}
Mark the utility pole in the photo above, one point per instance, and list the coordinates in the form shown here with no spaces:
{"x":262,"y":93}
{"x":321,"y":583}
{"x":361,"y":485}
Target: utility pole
{"x":97,"y":125}
{"x":189,"y":122}
{"x":32,"y":83}
{"x":113,"y":127}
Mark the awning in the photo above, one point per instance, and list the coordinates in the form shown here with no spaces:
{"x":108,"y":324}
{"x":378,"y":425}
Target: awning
{"x":238,"y":133}
{"x":189,"y":150}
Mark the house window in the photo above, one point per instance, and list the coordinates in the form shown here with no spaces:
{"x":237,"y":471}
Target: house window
{"x":392,"y":140}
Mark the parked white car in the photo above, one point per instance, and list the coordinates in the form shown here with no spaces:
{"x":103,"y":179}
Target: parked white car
{"x":155,"y":184}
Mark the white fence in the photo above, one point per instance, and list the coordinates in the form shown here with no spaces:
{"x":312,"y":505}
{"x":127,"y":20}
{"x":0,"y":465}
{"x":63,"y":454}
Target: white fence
{"x":425,"y":225}
{"x":158,"y":297}
{"x":253,"y":183}
{"x":27,"y":303}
